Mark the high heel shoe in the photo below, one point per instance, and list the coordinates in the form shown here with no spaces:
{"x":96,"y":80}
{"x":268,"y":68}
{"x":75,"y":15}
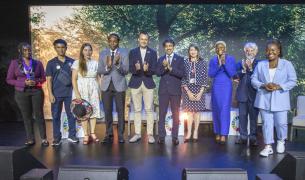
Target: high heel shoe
{"x":44,"y":143}
{"x":29,"y":143}
{"x":222,"y":140}
{"x":187,"y":140}
{"x":94,"y":138}
{"x":86,"y":140}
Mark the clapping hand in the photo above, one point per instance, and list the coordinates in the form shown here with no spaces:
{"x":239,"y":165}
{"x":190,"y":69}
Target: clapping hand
{"x":117,"y":59}
{"x":221,"y":59}
{"x":145,"y":67}
{"x":165,"y":63}
{"x":109,"y":61}
{"x":138,"y":66}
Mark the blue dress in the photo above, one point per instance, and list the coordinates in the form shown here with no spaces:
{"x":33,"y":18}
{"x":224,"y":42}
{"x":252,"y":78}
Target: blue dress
{"x":201,"y":76}
{"x":221,"y":93}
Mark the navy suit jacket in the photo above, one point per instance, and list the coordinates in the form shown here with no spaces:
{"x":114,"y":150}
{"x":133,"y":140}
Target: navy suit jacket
{"x":140,"y":76}
{"x":170,"y":82}
{"x":245,"y":90}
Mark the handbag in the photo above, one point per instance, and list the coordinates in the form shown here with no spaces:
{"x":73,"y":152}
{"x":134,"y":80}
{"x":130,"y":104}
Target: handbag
{"x":63,"y":77}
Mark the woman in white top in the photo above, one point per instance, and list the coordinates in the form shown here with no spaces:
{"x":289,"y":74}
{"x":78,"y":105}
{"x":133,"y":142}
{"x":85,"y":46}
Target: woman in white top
{"x":85,"y":86}
{"x":273,"y":78}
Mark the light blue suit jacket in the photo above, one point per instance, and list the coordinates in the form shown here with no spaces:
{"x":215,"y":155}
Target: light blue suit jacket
{"x":285,"y":76}
{"x":116,"y":73}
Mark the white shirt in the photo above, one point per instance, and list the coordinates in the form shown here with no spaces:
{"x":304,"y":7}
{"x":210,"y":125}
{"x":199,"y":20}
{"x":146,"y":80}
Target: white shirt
{"x":113,"y":51}
{"x":143,"y":53}
{"x":272,"y":73}
{"x":106,"y":67}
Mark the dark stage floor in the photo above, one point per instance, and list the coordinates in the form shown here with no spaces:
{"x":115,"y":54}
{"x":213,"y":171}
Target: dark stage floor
{"x":151,"y":162}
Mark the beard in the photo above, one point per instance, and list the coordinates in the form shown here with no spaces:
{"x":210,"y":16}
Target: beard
{"x":250,"y":57}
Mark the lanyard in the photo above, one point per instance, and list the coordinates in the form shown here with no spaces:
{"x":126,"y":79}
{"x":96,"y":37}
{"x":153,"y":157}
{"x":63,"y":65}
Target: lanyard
{"x":193,"y":73}
{"x":27,"y":69}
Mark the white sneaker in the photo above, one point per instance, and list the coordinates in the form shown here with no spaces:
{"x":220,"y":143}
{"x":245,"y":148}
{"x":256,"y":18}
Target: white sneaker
{"x":280,"y":147}
{"x":266,"y":151}
{"x":151,"y":139}
{"x":135,"y":138}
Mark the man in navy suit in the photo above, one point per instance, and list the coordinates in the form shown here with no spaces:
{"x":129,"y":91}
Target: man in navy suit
{"x":246,"y":95}
{"x":142,"y":65}
{"x":171,"y":70}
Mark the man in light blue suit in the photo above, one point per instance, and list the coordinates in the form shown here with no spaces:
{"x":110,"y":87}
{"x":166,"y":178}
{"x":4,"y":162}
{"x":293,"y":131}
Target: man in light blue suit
{"x":273,"y":79}
{"x":113,"y":65}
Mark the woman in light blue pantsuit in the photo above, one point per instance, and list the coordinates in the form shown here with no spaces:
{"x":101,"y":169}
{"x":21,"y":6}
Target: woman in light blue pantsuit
{"x":273,"y":78}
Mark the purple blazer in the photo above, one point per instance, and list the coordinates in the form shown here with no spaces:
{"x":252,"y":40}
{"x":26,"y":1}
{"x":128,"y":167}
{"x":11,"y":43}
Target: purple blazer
{"x":16,"y":77}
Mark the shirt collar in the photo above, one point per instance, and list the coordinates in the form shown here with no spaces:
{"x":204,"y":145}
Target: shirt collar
{"x":171,"y":55}
{"x":143,"y":49}
{"x":113,"y":51}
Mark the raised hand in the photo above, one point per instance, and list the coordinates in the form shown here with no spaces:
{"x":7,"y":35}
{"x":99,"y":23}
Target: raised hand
{"x":165,"y":63}
{"x":109,"y":62}
{"x":117,"y":59}
{"x":138,"y":66}
{"x":145,"y":66}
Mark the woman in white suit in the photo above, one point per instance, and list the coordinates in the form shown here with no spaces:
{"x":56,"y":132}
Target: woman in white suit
{"x":273,"y":78}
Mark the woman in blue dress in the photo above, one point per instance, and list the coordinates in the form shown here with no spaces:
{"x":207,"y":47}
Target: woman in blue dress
{"x":221,"y":70}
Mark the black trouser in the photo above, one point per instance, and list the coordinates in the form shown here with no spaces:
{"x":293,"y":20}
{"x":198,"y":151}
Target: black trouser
{"x":164,"y":101}
{"x":107,"y":98}
{"x":30,"y":103}
{"x":245,"y":109}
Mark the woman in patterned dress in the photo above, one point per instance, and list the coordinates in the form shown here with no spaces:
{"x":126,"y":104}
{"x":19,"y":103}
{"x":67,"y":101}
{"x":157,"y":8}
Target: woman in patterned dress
{"x":194,"y":83}
{"x":85,"y":86}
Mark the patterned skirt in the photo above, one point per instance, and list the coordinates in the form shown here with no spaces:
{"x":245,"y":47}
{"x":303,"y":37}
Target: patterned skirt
{"x":193,"y":106}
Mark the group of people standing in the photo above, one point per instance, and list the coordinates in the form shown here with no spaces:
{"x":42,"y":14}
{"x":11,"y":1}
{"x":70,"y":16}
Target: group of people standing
{"x":263,"y":86}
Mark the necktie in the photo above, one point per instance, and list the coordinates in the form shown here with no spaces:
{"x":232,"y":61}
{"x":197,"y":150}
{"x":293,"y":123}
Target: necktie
{"x":169,"y":59}
{"x":112,"y":56}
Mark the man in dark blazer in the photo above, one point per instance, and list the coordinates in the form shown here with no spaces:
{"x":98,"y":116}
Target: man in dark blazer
{"x":142,"y":65}
{"x":113,"y":66}
{"x":246,"y":95}
{"x":171,"y":70}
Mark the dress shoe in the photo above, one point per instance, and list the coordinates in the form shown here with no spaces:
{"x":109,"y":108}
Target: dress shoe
{"x":253,"y":143}
{"x":175,"y":141}
{"x":107,"y":140}
{"x":195,"y":140}
{"x":160,"y":141}
{"x":241,"y":141}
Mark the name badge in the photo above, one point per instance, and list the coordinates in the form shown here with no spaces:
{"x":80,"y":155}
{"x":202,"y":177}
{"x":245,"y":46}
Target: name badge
{"x":192,"y":80}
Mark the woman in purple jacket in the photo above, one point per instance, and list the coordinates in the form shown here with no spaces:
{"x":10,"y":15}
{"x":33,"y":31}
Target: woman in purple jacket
{"x":27,"y":76}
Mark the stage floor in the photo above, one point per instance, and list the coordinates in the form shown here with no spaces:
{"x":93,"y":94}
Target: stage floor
{"x":150,"y":162}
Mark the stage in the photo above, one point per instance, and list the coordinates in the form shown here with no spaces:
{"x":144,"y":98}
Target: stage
{"x":150,"y":161}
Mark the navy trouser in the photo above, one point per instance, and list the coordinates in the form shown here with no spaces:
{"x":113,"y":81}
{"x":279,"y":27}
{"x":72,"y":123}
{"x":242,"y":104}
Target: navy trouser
{"x":247,"y":109}
{"x":56,"y":108}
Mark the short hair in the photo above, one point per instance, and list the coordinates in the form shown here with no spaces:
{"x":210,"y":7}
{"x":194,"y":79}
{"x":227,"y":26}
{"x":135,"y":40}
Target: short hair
{"x":168,"y":40}
{"x":277,"y":43}
{"x":221,"y":42}
{"x":60,"y":41}
{"x":113,"y":35}
{"x":145,"y":33}
{"x":251,"y":45}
